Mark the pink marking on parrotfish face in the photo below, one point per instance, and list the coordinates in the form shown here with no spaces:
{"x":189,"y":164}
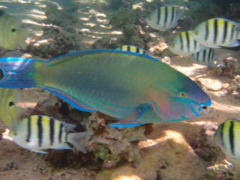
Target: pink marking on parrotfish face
{"x":170,"y":107}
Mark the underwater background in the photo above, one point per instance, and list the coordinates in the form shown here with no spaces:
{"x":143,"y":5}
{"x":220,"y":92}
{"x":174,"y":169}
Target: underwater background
{"x":157,"y":151}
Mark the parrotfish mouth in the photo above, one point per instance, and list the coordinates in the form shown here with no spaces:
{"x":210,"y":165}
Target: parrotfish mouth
{"x":204,"y":108}
{"x":197,"y":108}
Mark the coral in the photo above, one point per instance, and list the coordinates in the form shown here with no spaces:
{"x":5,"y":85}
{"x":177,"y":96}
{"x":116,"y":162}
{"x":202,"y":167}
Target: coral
{"x":54,"y":42}
{"x":113,"y":145}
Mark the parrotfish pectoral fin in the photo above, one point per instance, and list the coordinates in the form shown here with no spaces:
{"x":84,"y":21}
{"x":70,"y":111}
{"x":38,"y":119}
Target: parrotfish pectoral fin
{"x":79,"y":140}
{"x":71,"y":100}
{"x":132,"y":119}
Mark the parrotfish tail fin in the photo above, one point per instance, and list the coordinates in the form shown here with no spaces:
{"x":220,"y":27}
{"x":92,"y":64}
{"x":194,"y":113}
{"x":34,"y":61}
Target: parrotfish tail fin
{"x":79,"y":140}
{"x":132,"y":119}
{"x":17,"y":72}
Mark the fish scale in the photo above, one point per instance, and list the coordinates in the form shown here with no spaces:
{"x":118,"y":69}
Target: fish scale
{"x":128,"y":86}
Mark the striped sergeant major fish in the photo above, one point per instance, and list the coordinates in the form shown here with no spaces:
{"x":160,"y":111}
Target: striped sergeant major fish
{"x":184,"y":44}
{"x":38,"y":133}
{"x":135,"y":49}
{"x":205,"y":57}
{"x":10,"y":112}
{"x":164,"y":18}
{"x":218,"y":32}
{"x":227,"y":137}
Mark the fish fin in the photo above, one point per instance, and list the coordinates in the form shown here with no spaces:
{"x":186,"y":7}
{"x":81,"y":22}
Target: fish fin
{"x":71,"y":100}
{"x":174,"y":25}
{"x":39,"y":151}
{"x":17,"y":72}
{"x":68,"y":127}
{"x":79,"y":140}
{"x":234,"y":43}
{"x":125,"y":125}
{"x":64,"y":146}
{"x":132,"y":119}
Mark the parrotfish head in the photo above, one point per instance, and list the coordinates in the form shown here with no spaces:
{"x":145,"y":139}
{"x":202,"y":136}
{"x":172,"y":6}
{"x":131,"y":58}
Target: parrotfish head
{"x":192,"y":99}
{"x":184,"y":101}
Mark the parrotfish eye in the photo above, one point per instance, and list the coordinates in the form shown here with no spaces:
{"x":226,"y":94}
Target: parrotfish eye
{"x":14,"y":133}
{"x":205,"y":107}
{"x":182,"y":94}
{"x":13,"y":30}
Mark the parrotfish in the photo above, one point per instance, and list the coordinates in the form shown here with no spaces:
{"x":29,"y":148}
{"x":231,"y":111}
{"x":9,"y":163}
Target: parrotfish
{"x":38,"y":133}
{"x":133,"y":88}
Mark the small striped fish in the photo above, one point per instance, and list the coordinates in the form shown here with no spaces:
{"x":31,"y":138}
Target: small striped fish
{"x":205,"y":57}
{"x":164,"y":18}
{"x":12,"y":33}
{"x":227,"y":137}
{"x":9,"y":111}
{"x":218,"y":32}
{"x":132,"y":48}
{"x":38,"y":133}
{"x":184,"y":44}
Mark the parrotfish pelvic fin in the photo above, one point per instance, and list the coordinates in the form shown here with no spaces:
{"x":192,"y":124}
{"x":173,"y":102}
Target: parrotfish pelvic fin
{"x":17,"y":72}
{"x":118,"y":125}
{"x":71,"y":100}
{"x":131,"y":120}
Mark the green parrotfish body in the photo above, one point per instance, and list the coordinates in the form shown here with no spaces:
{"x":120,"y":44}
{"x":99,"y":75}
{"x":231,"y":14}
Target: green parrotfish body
{"x":134,"y":88}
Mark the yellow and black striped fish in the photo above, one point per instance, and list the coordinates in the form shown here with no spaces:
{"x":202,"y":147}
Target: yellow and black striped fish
{"x":218,"y":32}
{"x":205,"y":57}
{"x":12,"y":34}
{"x":132,"y":48}
{"x":38,"y":133}
{"x":9,"y":111}
{"x":184,"y":44}
{"x":227,"y":137}
{"x":164,"y":18}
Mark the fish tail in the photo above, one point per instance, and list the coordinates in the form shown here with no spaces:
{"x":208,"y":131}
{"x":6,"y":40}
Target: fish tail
{"x":79,"y":140}
{"x":17,"y":72}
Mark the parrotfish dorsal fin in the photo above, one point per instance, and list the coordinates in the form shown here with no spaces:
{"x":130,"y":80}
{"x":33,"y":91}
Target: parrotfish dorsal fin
{"x":80,"y":54}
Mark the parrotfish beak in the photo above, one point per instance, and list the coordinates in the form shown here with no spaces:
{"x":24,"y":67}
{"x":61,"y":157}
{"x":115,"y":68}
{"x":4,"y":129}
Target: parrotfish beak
{"x":205,"y":107}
